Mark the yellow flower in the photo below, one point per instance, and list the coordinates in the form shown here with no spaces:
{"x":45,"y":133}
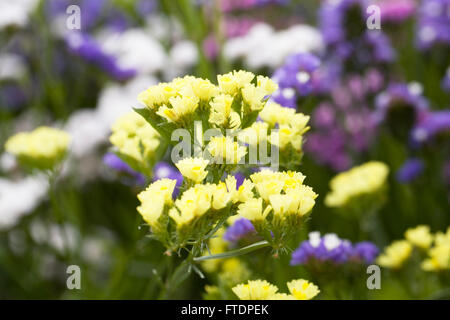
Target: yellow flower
{"x":234,"y":270}
{"x":252,"y":209}
{"x":204,"y":89}
{"x":154,"y":198}
{"x":255,"y":290}
{"x":254,"y":96}
{"x":302,"y":289}
{"x":225,"y":150}
{"x":243,"y":193}
{"x":157,"y":95}
{"x":243,"y":77}
{"x":255,"y":134}
{"x":134,"y":137}
{"x":41,"y":148}
{"x":365,"y":179}
{"x":266,"y":84}
{"x":282,"y":296}
{"x":227,"y":83}
{"x":395,"y":254}
{"x":221,"y":112}
{"x":193,"y":168}
{"x":181,"y":107}
{"x":274,"y":113}
{"x":420,"y":236}
{"x":221,"y":196}
{"x":439,"y":258}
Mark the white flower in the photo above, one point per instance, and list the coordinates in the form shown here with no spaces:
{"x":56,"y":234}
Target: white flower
{"x":11,"y":66}
{"x":18,"y":198}
{"x":135,"y":49}
{"x":264,"y":47}
{"x":15,"y":12}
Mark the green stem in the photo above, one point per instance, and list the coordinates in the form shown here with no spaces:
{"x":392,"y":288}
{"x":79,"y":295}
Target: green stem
{"x":234,"y":253}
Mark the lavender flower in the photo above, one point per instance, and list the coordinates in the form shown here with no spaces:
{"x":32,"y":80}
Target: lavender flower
{"x":295,"y":78}
{"x":330,"y":248}
{"x":410,"y":170}
{"x":399,"y":101}
{"x":114,"y":162}
{"x":446,"y":81}
{"x":396,"y":11}
{"x":432,"y":125}
{"x":241,"y":228}
{"x":86,"y":47}
{"x":434,"y":23}
{"x":343,"y":26}
{"x":365,"y":252}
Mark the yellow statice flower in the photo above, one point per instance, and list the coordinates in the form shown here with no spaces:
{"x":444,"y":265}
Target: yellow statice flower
{"x":41,"y":148}
{"x":273,"y":113}
{"x":362,"y":180}
{"x":254,"y":135}
{"x":439,"y":258}
{"x":194,"y":203}
{"x":252,"y":210}
{"x":193,"y":168}
{"x":203,"y":89}
{"x":439,"y":254}
{"x":154,"y":198}
{"x":135,"y":138}
{"x":420,"y":236}
{"x":255,"y":290}
{"x":231,"y":82}
{"x":181,"y":107}
{"x":157,"y":95}
{"x":267,"y":84}
{"x":225,"y":150}
{"x":221,"y":112}
{"x":302,"y":289}
{"x":241,"y":194}
{"x":395,"y":255}
{"x":254,"y":96}
{"x":234,"y":271}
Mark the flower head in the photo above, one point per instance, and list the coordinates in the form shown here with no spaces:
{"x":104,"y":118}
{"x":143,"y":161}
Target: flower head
{"x":302,"y":289}
{"x":42,"y":148}
{"x":395,"y":255}
{"x":193,"y":168}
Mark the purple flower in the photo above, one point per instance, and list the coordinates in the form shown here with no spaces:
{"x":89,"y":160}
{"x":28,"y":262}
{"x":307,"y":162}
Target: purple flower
{"x":365,"y":252}
{"x":87,"y":48}
{"x":446,"y":81}
{"x":410,"y":170}
{"x":241,"y":228}
{"x":396,"y":11}
{"x":163,"y":170}
{"x":295,"y":78}
{"x":433,"y":24}
{"x":114,"y":162}
{"x":433,"y":124}
{"x":330,"y":248}
{"x":400,"y":97}
{"x":343,"y":26}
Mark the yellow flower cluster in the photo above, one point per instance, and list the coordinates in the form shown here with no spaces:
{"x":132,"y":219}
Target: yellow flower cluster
{"x":262,"y":290}
{"x":291,"y":125}
{"x":364,"y":180}
{"x":395,"y":255}
{"x":439,"y":255}
{"x":225,"y":150}
{"x":41,"y":148}
{"x":228,"y":105}
{"x":135,"y":140}
{"x":436,"y":246}
{"x":193,"y":169}
{"x":282,"y":192}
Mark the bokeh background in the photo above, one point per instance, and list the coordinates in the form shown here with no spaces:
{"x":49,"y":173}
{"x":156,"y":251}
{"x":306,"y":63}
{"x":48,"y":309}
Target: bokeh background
{"x":372,"y":95}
